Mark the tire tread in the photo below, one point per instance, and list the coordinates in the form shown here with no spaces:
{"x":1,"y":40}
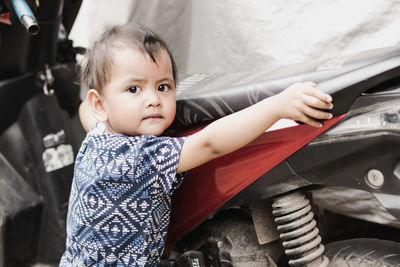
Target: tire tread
{"x":364,"y":252}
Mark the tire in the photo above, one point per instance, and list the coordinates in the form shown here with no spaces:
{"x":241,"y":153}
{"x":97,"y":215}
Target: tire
{"x":363,"y":252}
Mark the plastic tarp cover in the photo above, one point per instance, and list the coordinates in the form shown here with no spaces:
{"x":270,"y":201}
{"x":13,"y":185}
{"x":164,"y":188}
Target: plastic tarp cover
{"x":234,"y":35}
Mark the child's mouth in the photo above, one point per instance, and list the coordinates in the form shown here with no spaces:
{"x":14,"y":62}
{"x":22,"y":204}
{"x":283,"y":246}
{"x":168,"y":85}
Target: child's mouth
{"x":153,"y":116}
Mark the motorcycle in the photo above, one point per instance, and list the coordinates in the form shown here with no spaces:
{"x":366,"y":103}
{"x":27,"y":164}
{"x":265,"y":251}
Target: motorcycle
{"x":232,"y":211}
{"x":253,"y":207}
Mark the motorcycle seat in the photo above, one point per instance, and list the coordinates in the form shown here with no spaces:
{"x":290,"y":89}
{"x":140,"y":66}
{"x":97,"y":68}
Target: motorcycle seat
{"x":206,"y":97}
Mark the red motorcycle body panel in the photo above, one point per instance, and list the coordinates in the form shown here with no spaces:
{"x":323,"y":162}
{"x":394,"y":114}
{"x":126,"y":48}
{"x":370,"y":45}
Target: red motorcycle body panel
{"x":5,"y":18}
{"x":209,"y":186}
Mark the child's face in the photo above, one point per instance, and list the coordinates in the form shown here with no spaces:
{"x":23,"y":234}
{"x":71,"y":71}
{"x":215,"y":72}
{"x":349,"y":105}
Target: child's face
{"x":140,"y":97}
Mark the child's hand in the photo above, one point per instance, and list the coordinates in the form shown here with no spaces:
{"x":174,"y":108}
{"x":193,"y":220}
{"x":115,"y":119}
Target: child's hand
{"x":303,"y":102}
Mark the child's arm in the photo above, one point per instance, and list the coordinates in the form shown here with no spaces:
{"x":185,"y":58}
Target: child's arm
{"x":299,"y":102}
{"x":86,"y":116}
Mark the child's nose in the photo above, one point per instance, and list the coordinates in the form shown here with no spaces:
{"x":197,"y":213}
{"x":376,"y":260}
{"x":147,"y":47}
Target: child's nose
{"x":153,"y":99}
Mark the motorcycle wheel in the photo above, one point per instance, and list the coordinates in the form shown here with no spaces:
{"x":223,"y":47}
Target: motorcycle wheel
{"x":363,"y":252}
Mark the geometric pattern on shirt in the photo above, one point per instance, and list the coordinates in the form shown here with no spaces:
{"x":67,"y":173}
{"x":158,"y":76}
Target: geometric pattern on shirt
{"x":120,"y":200}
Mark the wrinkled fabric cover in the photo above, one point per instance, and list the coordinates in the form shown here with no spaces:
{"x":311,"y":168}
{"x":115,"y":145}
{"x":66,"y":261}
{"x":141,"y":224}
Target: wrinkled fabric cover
{"x":234,"y":35}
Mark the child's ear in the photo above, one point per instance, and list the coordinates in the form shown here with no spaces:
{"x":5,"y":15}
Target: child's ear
{"x":95,"y":100}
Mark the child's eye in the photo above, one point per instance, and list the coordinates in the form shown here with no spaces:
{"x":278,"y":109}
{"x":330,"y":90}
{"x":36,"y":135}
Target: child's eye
{"x":163,"y":87}
{"x":134,"y":89}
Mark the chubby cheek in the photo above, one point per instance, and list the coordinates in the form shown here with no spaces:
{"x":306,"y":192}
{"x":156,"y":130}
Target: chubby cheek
{"x":125,"y":119}
{"x":122,"y":124}
{"x":171,"y":111}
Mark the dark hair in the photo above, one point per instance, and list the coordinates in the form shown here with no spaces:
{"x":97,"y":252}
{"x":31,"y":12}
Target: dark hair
{"x":96,"y":69}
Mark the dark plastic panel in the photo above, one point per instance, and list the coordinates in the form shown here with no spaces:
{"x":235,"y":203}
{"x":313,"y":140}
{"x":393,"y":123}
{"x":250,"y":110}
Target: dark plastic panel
{"x":20,"y":216}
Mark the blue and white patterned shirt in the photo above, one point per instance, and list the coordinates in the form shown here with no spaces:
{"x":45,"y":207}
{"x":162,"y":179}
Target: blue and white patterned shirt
{"x":120,"y":200}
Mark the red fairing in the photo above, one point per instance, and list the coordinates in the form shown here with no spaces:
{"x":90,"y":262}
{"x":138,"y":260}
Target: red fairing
{"x":209,"y":186}
{"x":5,"y":18}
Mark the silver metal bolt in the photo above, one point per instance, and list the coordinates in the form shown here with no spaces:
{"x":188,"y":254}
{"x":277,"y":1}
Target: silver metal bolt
{"x":375,"y":178}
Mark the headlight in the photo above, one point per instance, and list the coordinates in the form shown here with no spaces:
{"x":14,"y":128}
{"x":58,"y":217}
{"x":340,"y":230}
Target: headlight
{"x":380,"y":116}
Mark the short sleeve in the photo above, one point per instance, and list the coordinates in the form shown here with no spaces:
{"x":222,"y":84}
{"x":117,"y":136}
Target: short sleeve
{"x":159,"y":158}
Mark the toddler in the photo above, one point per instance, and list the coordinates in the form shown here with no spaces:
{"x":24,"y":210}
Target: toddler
{"x":126,"y":171}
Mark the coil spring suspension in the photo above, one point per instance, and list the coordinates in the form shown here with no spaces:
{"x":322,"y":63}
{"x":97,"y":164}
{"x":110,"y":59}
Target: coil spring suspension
{"x":298,"y":229}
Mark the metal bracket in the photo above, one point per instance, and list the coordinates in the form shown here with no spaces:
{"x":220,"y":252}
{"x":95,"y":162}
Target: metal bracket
{"x":47,"y":78}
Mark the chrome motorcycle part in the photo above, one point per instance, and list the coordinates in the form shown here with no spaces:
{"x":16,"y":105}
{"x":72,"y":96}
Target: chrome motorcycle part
{"x":298,"y":229}
{"x":25,"y":15}
{"x":375,"y":179}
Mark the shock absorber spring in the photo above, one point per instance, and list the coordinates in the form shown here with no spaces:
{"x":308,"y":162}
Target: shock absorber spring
{"x":298,"y":230}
